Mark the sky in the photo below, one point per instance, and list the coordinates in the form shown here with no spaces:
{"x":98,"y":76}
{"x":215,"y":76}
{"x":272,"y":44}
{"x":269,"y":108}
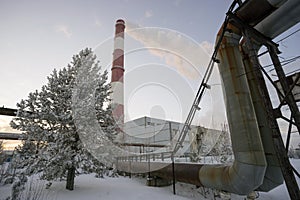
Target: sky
{"x":38,"y":36}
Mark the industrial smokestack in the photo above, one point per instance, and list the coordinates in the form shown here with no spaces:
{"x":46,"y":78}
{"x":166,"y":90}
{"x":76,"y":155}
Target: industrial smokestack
{"x":117,"y":74}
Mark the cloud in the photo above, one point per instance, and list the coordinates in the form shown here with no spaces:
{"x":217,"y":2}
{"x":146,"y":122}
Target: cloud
{"x":148,"y":13}
{"x":207,"y":46}
{"x":64,"y":29}
{"x":98,"y":23}
{"x":176,"y":49}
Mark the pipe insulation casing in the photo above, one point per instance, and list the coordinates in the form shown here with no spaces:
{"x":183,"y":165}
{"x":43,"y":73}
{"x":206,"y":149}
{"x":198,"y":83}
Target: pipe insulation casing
{"x":262,"y":9}
{"x":280,"y":20}
{"x":277,"y":3}
{"x":273,"y":176}
{"x":247,"y":171}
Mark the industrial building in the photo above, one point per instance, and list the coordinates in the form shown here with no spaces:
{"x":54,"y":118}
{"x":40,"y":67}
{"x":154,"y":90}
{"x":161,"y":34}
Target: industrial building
{"x":152,"y":135}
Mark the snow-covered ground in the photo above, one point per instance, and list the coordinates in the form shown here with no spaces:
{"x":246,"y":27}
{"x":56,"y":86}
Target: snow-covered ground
{"x":88,"y":187}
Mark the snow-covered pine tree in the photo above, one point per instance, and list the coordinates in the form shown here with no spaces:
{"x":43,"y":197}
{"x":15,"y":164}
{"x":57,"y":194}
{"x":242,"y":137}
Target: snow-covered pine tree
{"x":46,"y":119}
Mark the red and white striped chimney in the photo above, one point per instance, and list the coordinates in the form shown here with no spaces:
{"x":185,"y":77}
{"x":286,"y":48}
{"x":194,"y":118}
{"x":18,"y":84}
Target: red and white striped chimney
{"x":117,"y":74}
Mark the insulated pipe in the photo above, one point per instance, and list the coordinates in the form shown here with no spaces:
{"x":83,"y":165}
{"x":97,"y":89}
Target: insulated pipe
{"x":280,"y":20}
{"x":273,"y":176}
{"x":262,"y":8}
{"x":248,"y":169}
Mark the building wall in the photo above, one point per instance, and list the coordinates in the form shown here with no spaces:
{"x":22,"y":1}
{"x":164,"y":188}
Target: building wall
{"x":152,"y":131}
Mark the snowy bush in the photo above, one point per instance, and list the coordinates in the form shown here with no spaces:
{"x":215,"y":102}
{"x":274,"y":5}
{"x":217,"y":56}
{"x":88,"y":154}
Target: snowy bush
{"x":29,"y":189}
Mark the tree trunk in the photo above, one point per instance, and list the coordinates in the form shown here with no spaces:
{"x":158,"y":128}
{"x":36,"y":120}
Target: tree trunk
{"x":70,"y":178}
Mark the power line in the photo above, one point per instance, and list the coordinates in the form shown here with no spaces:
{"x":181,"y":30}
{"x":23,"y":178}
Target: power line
{"x":283,"y":63}
{"x":296,"y":31}
{"x":288,"y":35}
{"x":286,"y":62}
